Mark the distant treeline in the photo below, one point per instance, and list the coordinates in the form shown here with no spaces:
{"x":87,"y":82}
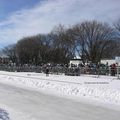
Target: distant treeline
{"x":90,"y":40}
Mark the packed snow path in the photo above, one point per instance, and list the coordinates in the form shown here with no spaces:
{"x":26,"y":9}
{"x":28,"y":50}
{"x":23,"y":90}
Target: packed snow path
{"x":33,"y":105}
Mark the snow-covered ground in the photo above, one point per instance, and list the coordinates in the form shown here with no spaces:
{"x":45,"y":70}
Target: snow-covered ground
{"x":104,"y":90}
{"x":23,"y":104}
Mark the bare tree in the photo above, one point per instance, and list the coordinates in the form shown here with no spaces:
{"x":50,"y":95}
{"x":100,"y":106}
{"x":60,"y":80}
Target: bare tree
{"x":117,"y":25}
{"x":92,"y":38}
{"x":63,"y":42}
{"x":29,"y":50}
{"x":117,"y":36}
{"x":34,"y":49}
{"x":10,"y":51}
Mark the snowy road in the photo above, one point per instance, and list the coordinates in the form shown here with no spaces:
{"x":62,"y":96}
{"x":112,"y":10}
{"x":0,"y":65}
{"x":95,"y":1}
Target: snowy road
{"x":32,"y":105}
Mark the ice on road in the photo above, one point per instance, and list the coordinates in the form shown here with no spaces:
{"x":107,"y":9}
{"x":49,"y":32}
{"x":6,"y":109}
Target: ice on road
{"x":33,"y":105}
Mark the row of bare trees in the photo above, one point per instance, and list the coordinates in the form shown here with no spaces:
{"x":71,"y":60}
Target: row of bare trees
{"x":90,"y":40}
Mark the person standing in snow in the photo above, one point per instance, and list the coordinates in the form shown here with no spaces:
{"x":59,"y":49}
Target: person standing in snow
{"x":47,"y":71}
{"x":113,"y":69}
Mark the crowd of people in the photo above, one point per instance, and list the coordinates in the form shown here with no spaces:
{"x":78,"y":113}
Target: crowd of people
{"x":103,"y":69}
{"x":89,"y":68}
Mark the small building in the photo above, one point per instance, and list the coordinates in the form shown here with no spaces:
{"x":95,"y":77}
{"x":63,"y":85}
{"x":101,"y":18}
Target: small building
{"x":75,"y":62}
{"x":111,"y":61}
{"x":4,"y":59}
{"x":108,"y":62}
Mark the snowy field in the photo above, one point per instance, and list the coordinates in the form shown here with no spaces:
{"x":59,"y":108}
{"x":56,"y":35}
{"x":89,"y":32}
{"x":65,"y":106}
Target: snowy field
{"x":104,"y":89}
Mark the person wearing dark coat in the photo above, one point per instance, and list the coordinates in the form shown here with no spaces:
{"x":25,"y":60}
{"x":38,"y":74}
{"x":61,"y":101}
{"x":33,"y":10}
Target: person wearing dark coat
{"x":113,"y":69}
{"x":47,"y":72}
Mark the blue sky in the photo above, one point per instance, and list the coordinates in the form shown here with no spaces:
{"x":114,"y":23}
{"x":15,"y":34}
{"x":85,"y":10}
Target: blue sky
{"x":19,"y":18}
{"x":9,"y":6}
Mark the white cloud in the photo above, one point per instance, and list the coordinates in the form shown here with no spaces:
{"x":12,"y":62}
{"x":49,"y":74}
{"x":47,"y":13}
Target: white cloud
{"x":44,"y":16}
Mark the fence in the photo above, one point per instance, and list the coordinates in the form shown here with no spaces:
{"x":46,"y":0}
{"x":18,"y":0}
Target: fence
{"x":21,"y":69}
{"x":64,"y":70}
